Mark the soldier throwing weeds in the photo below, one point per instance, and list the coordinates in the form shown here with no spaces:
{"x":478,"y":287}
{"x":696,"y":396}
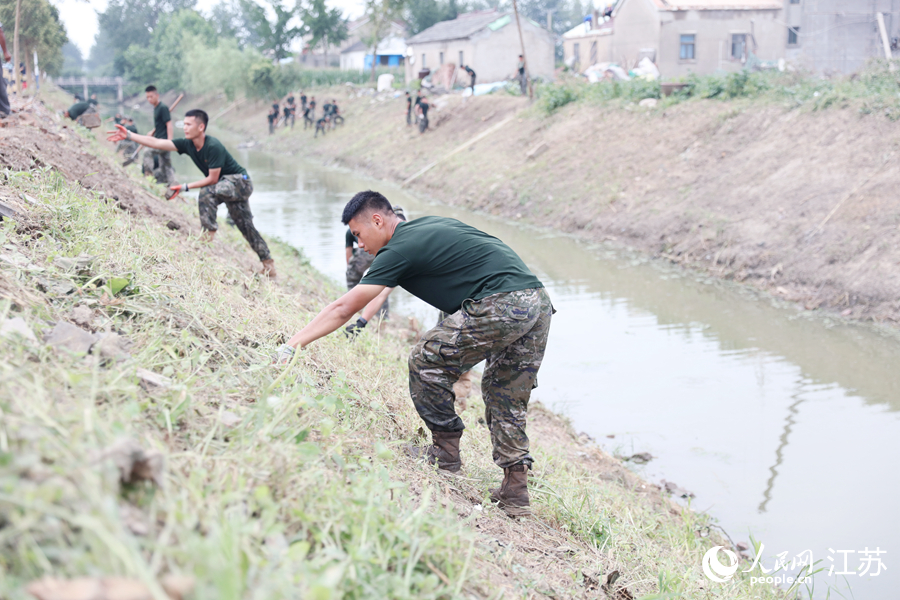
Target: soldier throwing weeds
{"x":499,"y":312}
{"x":225,"y":180}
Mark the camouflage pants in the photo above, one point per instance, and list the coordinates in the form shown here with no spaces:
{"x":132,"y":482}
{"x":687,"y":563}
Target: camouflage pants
{"x":509,"y":331}
{"x":356,"y":268}
{"x":127,"y":148}
{"x":158,"y":164}
{"x":234,"y":191}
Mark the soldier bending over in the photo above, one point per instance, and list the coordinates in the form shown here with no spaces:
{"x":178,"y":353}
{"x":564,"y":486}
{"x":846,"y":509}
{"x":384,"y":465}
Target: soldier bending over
{"x":499,"y":312}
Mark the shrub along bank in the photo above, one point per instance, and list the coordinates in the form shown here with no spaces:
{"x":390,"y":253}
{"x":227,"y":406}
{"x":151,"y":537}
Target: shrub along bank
{"x":140,"y":436}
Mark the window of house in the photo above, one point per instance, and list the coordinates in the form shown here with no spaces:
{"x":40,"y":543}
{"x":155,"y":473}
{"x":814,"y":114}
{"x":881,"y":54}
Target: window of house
{"x":423,"y":61}
{"x":739,"y":46}
{"x":688,"y":41}
{"x":793,"y":36}
{"x":576,"y":52}
{"x":440,"y":58}
{"x":461,"y":61}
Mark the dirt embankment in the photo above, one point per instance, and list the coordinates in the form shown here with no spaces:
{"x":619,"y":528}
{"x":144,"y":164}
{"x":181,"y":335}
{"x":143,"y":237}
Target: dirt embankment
{"x":801,"y":204}
{"x":141,"y":443}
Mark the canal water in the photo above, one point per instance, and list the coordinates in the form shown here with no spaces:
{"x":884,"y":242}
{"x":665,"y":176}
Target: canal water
{"x":784,"y":428}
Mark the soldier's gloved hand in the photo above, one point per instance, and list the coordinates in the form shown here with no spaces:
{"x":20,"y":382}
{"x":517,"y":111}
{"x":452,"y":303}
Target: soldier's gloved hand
{"x":355,"y":328}
{"x":283,"y":355}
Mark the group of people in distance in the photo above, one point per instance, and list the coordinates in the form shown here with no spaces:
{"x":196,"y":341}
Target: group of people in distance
{"x":331,"y":115}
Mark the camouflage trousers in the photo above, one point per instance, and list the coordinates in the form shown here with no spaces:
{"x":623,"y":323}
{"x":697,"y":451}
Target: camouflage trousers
{"x":158,"y":164}
{"x":234,"y":191}
{"x":509,"y":331}
{"x":356,"y":268}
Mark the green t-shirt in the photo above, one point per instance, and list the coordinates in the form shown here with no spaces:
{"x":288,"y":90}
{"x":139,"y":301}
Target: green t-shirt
{"x":132,"y":128}
{"x":444,"y":262}
{"x":212,"y":155}
{"x":161,"y":116}
{"x":77,"y":109}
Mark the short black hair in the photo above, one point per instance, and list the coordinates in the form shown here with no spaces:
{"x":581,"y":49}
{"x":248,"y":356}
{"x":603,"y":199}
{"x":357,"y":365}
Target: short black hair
{"x":362,"y":201}
{"x":198,"y":114}
{"x":150,"y":88}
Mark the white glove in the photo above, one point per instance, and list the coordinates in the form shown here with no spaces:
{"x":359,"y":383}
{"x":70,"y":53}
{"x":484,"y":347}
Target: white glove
{"x":283,"y":355}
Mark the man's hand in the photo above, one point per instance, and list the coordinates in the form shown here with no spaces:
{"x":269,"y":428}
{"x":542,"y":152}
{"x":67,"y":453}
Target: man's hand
{"x":119,"y":134}
{"x":283,"y":355}
{"x":354,"y":329}
{"x":7,"y":57}
{"x":173,"y":191}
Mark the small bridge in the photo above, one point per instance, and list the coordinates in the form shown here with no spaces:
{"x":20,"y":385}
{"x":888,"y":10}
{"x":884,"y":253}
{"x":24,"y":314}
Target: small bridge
{"x":94,"y":82}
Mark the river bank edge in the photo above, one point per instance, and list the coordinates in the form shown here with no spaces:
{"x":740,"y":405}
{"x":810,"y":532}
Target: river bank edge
{"x":593,"y":516}
{"x":719,"y":222}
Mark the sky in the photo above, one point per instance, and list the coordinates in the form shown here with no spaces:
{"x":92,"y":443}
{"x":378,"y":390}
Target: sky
{"x":80,"y":17}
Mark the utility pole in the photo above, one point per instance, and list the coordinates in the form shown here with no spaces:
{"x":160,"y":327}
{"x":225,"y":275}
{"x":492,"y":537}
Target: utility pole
{"x":522,"y":43}
{"x":16,"y":51}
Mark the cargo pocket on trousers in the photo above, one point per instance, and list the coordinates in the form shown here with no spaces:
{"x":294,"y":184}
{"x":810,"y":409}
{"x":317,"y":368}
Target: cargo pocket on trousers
{"x":439,"y":346}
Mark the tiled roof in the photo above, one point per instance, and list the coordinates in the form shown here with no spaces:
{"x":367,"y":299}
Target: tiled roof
{"x":461,"y":27}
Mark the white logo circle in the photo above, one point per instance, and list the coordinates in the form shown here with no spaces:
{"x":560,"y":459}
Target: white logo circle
{"x":715,"y":570}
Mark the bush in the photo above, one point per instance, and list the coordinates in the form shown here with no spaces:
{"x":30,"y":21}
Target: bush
{"x":553,"y":97}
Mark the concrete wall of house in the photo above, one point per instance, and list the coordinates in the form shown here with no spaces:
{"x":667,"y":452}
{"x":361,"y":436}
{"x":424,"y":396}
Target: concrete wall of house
{"x":714,"y":32}
{"x":496,"y":53}
{"x":837,"y":36}
{"x":352,"y":61}
{"x":637,"y":26}
{"x":582,"y":57}
{"x":492,"y":54}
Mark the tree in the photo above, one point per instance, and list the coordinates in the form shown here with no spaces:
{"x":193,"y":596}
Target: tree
{"x":41,"y":31}
{"x":73,"y":62}
{"x":275,"y":37}
{"x":381,"y":14}
{"x":129,"y":22}
{"x":227,"y":19}
{"x":161,"y":61}
{"x":323,"y":25}
{"x":422,"y":14}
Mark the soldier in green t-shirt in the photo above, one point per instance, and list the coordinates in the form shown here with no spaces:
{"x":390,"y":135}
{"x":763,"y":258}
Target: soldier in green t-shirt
{"x":157,"y":162}
{"x":224,"y":180}
{"x":78,"y":109}
{"x":498,"y":312}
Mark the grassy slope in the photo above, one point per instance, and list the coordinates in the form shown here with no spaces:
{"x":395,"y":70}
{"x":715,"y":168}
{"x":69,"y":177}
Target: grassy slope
{"x":300,"y":491}
{"x":791,"y":196}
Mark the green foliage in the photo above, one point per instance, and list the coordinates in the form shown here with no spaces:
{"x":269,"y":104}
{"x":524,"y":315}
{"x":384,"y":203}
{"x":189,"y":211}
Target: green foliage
{"x":265,"y":79}
{"x":125,"y":23}
{"x":273,"y":37}
{"x":422,"y":14}
{"x":324,"y":26}
{"x":40,"y":30}
{"x":73,"y":62}
{"x":224,"y":67}
{"x":875,"y":89}
{"x":161,"y":61}
{"x":381,"y":14}
{"x":556,"y":96}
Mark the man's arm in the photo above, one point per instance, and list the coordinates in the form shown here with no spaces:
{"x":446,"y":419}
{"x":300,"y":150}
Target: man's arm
{"x":169,"y":129}
{"x":348,"y":252}
{"x":336,"y":314}
{"x":375,"y":305}
{"x":211,"y":179}
{"x":121,"y":133}
{"x":6,"y":56}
